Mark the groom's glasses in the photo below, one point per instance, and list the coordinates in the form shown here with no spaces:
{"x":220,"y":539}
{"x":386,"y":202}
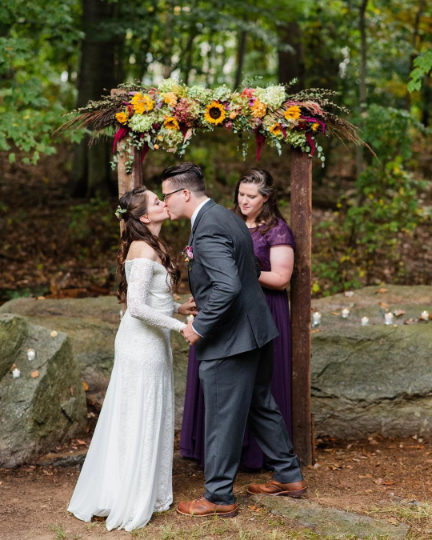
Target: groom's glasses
{"x":165,"y":197}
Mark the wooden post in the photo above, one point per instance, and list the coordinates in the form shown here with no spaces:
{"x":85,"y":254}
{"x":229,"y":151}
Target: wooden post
{"x":301,"y":224}
{"x":126,"y":182}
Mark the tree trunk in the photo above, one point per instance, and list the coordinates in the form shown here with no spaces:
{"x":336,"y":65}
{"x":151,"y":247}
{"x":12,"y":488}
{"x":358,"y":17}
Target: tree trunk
{"x":91,"y":170}
{"x":362,"y":85}
{"x":414,"y":48}
{"x":241,"y":49}
{"x":291,"y":63}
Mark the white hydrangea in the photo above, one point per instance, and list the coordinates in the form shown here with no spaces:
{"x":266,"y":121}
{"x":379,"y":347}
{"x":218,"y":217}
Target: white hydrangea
{"x":199,"y":93}
{"x":169,"y":85}
{"x":272,"y":96}
{"x":222,"y":93}
{"x":141,"y":122}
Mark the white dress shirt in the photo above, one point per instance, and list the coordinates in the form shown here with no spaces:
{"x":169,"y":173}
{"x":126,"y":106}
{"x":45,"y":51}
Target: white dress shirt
{"x":193,"y":218}
{"x":197,"y":209}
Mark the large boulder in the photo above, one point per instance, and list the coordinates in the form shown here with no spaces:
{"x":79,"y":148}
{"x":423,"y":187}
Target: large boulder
{"x":375,"y":378}
{"x":92,"y":324}
{"x":46,"y":404}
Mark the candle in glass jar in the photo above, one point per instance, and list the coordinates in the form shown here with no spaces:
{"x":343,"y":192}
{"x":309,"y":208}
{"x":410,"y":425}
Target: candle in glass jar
{"x":316,"y":318}
{"x":345,"y":313}
{"x":365,"y":321}
{"x":424,"y":315}
{"x":16,"y":373}
{"x":388,"y":318}
{"x":31,"y":354}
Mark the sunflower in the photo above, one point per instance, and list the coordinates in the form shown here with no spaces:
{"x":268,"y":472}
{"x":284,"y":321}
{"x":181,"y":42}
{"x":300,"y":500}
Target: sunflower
{"x":315,"y":126}
{"x":142,"y":103}
{"x":215,"y":113}
{"x":122,"y":117}
{"x":258,"y":109}
{"x":275,"y":130}
{"x":292,"y":113}
{"x":171,"y":123}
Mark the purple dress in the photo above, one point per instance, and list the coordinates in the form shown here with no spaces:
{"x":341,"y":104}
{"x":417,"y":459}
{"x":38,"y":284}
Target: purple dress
{"x":192,"y":434}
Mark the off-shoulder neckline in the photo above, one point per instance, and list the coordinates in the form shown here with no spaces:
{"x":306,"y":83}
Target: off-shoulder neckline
{"x":144,"y":259}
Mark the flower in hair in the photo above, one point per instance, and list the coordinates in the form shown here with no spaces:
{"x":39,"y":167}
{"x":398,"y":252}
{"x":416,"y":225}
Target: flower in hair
{"x":118,"y":213}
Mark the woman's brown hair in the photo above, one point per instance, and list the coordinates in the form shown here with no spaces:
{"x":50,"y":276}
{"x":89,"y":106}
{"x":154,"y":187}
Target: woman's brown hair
{"x":134,"y":205}
{"x":270,"y":212}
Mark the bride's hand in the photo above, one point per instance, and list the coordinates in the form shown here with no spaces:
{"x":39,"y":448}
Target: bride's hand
{"x":188,"y":308}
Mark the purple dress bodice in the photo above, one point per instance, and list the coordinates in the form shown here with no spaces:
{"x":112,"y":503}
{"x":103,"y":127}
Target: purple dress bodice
{"x":279,"y":235}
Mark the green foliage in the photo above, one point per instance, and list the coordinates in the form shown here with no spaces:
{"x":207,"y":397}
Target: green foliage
{"x":373,"y":222}
{"x":93,"y":227}
{"x":422,"y":66}
{"x":37,"y":41}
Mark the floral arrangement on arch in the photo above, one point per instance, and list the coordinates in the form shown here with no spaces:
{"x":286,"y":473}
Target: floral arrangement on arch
{"x":167,"y":117}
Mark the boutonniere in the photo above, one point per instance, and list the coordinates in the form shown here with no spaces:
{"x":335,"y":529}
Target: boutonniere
{"x":188,"y":256}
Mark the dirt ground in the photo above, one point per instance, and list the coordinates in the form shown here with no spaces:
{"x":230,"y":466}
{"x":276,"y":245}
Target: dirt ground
{"x":383,"y":478}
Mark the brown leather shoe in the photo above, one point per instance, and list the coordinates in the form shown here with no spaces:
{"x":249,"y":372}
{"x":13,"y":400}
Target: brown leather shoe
{"x":201,"y":507}
{"x":272,"y":487}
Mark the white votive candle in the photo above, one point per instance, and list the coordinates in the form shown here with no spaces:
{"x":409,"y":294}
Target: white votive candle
{"x":345,"y":313}
{"x":388,"y":318}
{"x":316,"y":318}
{"x":365,"y":321}
{"x":31,"y":354}
{"x":424,"y":315}
{"x":16,"y":373}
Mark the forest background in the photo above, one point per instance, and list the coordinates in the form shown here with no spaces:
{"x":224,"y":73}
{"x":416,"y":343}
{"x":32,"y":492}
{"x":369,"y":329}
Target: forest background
{"x":372,"y":217}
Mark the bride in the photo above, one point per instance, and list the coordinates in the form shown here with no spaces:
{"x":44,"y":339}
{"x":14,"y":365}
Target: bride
{"x":127,"y":474}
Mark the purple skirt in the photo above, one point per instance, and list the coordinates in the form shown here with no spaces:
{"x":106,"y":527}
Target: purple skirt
{"x":192,"y":434}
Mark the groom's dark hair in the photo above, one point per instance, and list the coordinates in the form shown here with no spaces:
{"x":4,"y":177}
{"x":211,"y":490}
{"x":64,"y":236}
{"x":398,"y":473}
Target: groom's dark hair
{"x":186,"y":175}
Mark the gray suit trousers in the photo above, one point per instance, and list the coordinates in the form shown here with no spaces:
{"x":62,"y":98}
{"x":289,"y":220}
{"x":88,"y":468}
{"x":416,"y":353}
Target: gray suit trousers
{"x":237,"y":391}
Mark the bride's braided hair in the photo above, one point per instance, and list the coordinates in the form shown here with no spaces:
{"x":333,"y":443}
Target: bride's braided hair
{"x":134,"y":205}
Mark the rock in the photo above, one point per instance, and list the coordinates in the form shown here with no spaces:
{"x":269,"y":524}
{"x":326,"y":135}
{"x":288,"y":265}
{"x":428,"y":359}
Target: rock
{"x":13,"y":332}
{"x":91,"y":324}
{"x":377,"y":378}
{"x":331,"y":521}
{"x":46,"y":405}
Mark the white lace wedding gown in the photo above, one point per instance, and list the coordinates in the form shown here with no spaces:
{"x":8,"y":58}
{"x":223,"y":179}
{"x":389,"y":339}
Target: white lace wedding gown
{"x":127,"y":474}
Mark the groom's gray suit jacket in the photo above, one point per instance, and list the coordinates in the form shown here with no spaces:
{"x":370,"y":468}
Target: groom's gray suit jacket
{"x":233,"y":314}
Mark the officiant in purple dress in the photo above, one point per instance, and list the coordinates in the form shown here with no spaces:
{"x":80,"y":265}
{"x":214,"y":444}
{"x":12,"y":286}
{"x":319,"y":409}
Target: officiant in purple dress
{"x":255,"y":202}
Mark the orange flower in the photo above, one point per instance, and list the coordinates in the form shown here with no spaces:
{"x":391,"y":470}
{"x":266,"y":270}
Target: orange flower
{"x":170,"y":99}
{"x":122,"y":117}
{"x":258,"y":109}
{"x":233,"y":115}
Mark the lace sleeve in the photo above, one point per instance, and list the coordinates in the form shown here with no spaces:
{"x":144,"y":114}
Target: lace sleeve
{"x":281,"y":235}
{"x":176,"y":307}
{"x":139,"y":283}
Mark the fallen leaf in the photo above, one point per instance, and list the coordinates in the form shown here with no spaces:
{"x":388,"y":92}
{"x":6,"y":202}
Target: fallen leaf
{"x":398,"y":312}
{"x":388,"y":483}
{"x":365,"y":476}
{"x":315,"y":331}
{"x":384,"y":305}
{"x":41,"y":297}
{"x":349,"y":293}
{"x":382,"y":290}
{"x":86,"y":387}
{"x":335,"y":312}
{"x":72,"y":390}
{"x":48,"y":473}
{"x":79,"y":441}
{"x":35,"y":374}
{"x":252,"y":508}
{"x":409,"y":321}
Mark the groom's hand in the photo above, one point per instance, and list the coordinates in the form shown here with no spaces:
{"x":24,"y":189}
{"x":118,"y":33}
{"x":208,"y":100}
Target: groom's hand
{"x":189,"y":334}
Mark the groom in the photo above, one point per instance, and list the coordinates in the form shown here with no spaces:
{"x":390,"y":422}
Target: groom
{"x":233,"y":333}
